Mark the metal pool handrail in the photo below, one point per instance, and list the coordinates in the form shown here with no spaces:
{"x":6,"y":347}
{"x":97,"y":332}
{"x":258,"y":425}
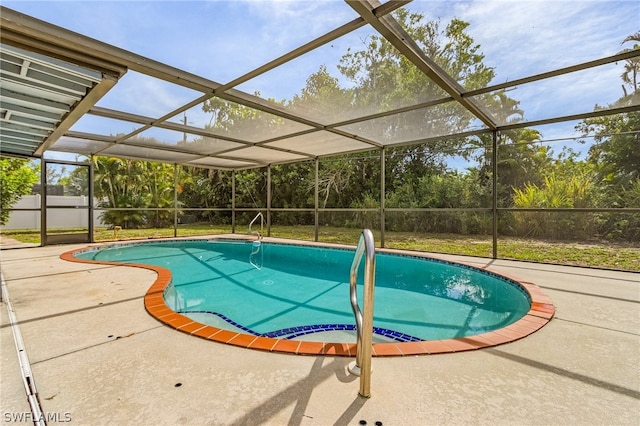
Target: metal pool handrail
{"x":256,"y":250}
{"x":364,"y":323}
{"x":259,"y":215}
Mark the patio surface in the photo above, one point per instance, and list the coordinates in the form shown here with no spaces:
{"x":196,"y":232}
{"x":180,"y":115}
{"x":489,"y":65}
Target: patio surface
{"x":98,"y":357}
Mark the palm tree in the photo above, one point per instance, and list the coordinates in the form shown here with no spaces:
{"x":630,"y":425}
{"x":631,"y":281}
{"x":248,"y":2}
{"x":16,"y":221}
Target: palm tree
{"x":632,"y":65}
{"x":159,"y":183}
{"x":122,"y":184}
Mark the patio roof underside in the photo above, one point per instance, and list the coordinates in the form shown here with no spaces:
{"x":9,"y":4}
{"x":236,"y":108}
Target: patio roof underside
{"x":53,"y":80}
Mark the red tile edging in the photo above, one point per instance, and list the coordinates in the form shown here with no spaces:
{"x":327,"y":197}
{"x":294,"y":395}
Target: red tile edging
{"x":541,"y":312}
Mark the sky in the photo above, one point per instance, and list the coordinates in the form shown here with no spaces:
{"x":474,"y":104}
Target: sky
{"x":222,"y":40}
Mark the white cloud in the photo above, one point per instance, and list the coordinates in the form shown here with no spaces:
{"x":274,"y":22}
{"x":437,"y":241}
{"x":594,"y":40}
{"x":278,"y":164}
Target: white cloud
{"x":532,"y":37}
{"x":524,"y":38}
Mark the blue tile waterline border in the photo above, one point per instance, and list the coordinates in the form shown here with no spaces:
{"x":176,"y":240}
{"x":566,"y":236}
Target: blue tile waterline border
{"x":291,"y":333}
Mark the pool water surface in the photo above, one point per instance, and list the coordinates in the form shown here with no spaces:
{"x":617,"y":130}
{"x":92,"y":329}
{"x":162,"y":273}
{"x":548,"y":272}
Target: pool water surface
{"x":301,"y":293}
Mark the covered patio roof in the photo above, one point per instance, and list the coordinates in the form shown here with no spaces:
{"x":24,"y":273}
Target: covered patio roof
{"x":53,"y":77}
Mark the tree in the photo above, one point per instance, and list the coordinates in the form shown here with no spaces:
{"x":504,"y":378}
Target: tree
{"x":616,"y":151}
{"x":75,"y":182}
{"x":380,"y":79}
{"x":615,"y":154}
{"x":118,"y":183}
{"x":384,"y":80}
{"x":123,"y":183}
{"x":293,"y":185}
{"x":519,"y":160}
{"x":204,"y":188}
{"x":632,"y":66}
{"x":16,"y":180}
{"x":323,"y":98}
{"x":160,"y":185}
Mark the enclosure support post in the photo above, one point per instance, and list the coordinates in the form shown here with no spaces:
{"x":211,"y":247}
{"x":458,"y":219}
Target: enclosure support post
{"x":269,"y":200}
{"x":494,"y":191}
{"x":382,"y":194}
{"x":175,"y":197}
{"x":43,"y":202}
{"x":90,"y":201}
{"x":233,"y":201}
{"x":315,"y":211}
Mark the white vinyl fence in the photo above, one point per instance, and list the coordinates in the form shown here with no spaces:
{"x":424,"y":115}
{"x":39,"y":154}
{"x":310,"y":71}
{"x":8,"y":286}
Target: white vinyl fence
{"x":56,"y":218}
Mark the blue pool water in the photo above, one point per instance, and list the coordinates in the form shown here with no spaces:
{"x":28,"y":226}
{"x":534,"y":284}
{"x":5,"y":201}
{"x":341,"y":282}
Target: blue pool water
{"x":302,"y":292}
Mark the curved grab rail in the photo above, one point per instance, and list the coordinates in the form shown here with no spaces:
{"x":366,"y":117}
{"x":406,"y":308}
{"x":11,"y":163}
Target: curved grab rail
{"x":259,"y":215}
{"x":364,"y":322}
{"x":256,"y":257}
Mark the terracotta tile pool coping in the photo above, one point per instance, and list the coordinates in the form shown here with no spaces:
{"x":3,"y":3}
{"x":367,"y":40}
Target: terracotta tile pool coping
{"x":541,"y":312}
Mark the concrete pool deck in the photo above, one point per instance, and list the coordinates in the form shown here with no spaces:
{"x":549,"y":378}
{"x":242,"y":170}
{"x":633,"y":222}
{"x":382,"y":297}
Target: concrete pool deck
{"x":98,"y":357}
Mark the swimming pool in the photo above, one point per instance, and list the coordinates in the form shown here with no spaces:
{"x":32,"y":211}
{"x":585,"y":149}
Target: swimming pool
{"x":300,"y":294}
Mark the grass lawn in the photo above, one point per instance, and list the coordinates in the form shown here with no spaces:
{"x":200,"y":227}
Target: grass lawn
{"x":600,"y":255}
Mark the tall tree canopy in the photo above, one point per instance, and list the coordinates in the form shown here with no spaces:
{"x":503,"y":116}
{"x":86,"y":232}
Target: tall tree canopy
{"x":616,"y":151}
{"x":123,"y":183}
{"x":16,"y":180}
